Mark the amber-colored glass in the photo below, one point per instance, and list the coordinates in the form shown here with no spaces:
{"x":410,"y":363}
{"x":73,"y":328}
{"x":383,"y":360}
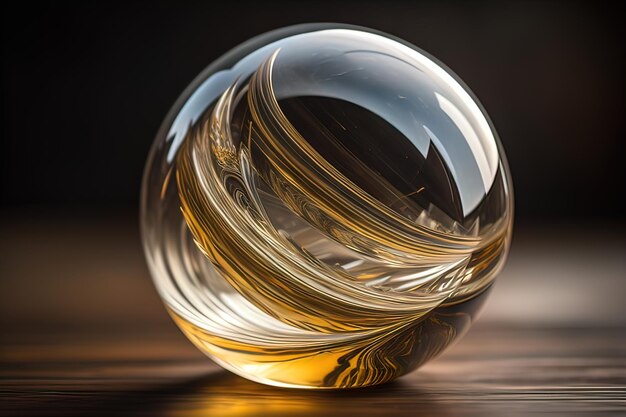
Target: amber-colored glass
{"x":325,"y":207}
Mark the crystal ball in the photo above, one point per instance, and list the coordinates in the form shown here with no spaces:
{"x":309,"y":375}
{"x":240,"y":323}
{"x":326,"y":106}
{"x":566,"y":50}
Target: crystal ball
{"x":325,"y":206}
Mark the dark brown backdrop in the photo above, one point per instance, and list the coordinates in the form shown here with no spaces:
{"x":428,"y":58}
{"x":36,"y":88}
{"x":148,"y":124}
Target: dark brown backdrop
{"x":85,"y":88}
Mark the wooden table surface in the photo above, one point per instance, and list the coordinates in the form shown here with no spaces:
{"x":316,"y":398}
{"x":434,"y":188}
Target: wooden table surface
{"x":84,"y":334}
{"x":492,"y":372}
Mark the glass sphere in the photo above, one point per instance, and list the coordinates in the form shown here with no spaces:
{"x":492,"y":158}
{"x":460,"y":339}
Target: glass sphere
{"x":325,"y":206}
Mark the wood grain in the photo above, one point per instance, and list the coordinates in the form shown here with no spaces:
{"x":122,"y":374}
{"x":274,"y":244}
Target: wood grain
{"x":84,"y":333}
{"x":492,"y":372}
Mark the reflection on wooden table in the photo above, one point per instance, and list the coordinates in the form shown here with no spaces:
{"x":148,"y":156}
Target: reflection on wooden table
{"x":495,"y":371}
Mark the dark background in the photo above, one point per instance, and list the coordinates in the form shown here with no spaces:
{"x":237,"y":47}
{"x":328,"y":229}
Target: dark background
{"x":85,"y":88}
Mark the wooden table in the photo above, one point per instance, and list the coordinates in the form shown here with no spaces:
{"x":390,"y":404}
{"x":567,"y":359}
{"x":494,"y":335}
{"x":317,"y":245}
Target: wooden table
{"x":84,"y":334}
{"x":492,"y":372}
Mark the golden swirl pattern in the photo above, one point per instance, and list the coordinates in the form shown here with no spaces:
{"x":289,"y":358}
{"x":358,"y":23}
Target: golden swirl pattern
{"x":303,"y":258}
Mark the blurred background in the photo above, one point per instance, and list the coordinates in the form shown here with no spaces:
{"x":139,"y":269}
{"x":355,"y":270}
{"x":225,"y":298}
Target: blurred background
{"x":85,"y":87}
